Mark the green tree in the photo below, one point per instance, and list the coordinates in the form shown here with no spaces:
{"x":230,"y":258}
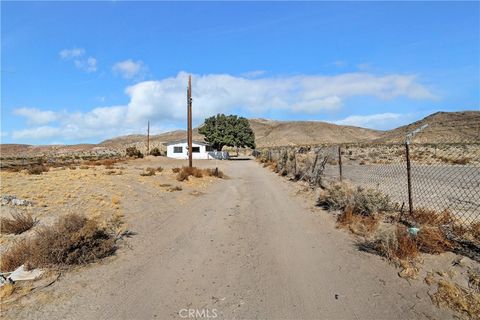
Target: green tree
{"x":232,"y":131}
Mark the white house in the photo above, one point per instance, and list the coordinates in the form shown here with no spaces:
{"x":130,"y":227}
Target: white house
{"x":200,"y":150}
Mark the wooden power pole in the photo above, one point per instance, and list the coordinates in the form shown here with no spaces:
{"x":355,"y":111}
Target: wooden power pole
{"x":148,"y":137}
{"x":189,"y":121}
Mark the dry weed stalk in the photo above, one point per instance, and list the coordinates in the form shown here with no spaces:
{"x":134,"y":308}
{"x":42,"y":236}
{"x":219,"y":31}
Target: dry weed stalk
{"x":19,"y":223}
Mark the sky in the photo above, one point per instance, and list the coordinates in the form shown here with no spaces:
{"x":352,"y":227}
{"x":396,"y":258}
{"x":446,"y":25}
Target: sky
{"x":82,"y":72}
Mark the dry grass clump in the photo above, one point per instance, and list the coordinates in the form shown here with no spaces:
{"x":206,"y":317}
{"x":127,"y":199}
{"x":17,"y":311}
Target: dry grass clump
{"x":102,"y":162}
{"x":72,"y":240}
{"x":474,"y":279}
{"x":459,"y":161}
{"x":338,"y":196}
{"x":37,"y":169}
{"x":185,"y":172}
{"x":358,"y":224}
{"x":148,"y":172}
{"x":19,"y":223}
{"x":424,"y":216}
{"x":456,"y":298}
{"x":175,"y":188}
{"x":394,"y":244}
{"x":432,"y":240}
{"x":363,"y":201}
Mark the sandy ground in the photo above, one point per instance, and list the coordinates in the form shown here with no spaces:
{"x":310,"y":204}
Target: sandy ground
{"x":251,"y":246}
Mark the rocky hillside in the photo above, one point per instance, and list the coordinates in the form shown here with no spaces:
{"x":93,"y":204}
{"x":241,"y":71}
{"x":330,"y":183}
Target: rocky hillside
{"x":443,"y":127}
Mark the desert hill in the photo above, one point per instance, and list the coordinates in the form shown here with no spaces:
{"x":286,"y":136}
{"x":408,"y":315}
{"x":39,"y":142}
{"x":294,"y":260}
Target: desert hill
{"x":443,"y":127}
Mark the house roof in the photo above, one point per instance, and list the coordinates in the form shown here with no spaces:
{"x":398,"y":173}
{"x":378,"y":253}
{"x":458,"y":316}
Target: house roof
{"x":202,"y":143}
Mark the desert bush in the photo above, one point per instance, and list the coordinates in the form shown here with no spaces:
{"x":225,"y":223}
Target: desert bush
{"x":148,"y":172}
{"x":155,"y":152}
{"x":424,"y":216}
{"x":432,"y":240}
{"x":176,"y":170}
{"x":175,"y":188}
{"x":214,"y":173}
{"x":185,"y":172}
{"x":336,"y":197}
{"x":73,"y":239}
{"x":370,"y":201}
{"x":394,"y":244}
{"x":363,"y":201}
{"x":133,"y":152}
{"x":159,"y":169}
{"x":37,"y":169}
{"x":19,"y":223}
{"x":357,"y":224}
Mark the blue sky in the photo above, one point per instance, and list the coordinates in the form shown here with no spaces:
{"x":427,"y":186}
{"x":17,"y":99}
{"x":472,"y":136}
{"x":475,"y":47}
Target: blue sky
{"x":86,"y":71}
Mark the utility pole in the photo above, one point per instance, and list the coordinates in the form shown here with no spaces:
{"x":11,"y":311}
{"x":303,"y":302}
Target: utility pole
{"x":189,"y":121}
{"x":148,"y":137}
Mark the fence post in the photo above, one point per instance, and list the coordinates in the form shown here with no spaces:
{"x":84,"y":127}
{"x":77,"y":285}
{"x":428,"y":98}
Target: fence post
{"x":409,"y":178}
{"x":340,"y":162}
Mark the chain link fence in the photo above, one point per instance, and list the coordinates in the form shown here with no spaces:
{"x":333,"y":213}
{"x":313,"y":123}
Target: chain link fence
{"x":436,"y":179}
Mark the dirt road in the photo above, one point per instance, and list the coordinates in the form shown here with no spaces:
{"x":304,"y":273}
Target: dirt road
{"x":249,"y":248}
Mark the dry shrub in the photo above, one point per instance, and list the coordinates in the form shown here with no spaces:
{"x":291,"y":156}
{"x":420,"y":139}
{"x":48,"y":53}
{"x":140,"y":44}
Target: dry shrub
{"x":19,"y":223}
{"x":396,"y":245}
{"x":159,"y":169}
{"x":452,"y":296}
{"x":148,"y":172}
{"x":103,"y":162}
{"x":6,"y":290}
{"x":474,"y":230}
{"x":155,"y":152}
{"x":84,"y":167}
{"x":73,"y":239}
{"x":214,"y":173}
{"x":363,"y":201}
{"x":370,"y":201}
{"x":176,"y":188}
{"x":186,"y":172}
{"x":432,"y":240}
{"x":474,"y":279}
{"x":133,"y":152}
{"x":357,"y":224}
{"x":336,"y":197}
{"x":424,"y":216}
{"x":37,"y":169}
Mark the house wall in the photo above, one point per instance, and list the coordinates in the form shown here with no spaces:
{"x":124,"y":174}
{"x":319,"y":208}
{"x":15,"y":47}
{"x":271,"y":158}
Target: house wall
{"x":184,"y":155}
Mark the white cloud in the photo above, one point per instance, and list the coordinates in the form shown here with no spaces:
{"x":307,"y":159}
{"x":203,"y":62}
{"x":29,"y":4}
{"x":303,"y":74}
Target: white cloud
{"x":87,"y":64}
{"x":38,"y":133}
{"x":380,"y":121}
{"x":35,"y":116}
{"x":163,"y":102}
{"x":129,"y":69}
{"x":253,"y":74}
{"x":72,"y":53}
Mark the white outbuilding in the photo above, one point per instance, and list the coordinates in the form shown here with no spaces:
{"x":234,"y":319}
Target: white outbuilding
{"x":200,"y":150}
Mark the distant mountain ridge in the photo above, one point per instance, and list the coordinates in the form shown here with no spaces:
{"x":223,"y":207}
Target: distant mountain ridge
{"x":443,"y":127}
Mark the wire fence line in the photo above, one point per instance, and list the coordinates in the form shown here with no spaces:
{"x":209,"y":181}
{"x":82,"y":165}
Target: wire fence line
{"x":436,"y":177}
